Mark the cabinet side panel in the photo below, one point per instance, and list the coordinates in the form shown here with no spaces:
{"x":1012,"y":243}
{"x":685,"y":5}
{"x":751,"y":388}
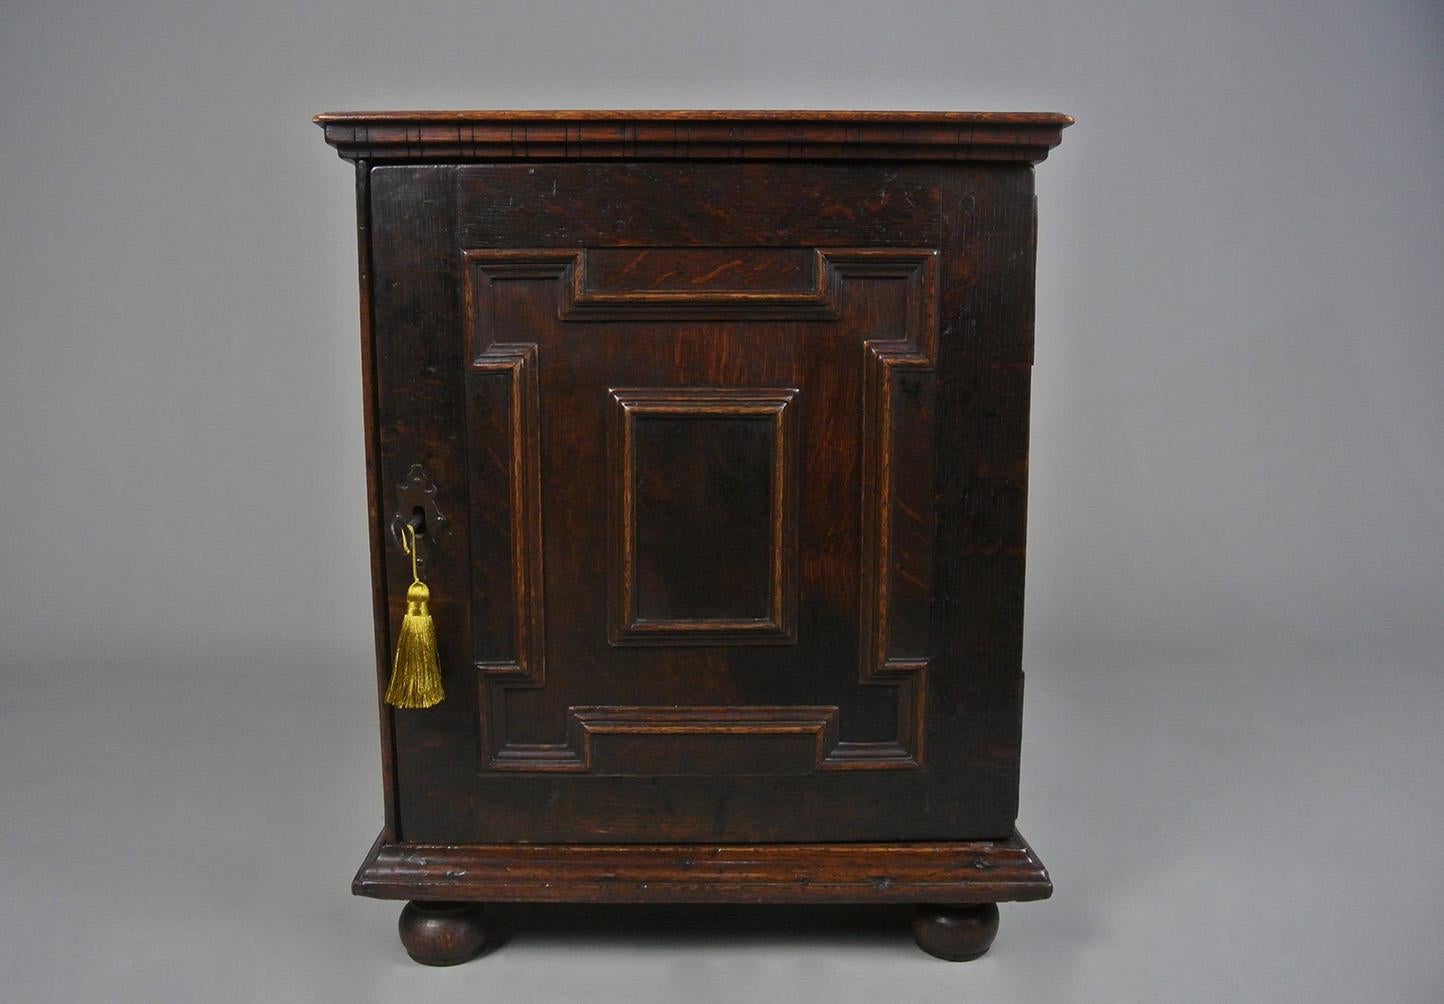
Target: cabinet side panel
{"x":375,"y":511}
{"x":984,"y":367}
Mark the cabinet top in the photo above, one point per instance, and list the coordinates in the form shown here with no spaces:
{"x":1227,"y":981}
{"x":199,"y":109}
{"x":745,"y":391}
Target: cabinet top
{"x":692,"y":135}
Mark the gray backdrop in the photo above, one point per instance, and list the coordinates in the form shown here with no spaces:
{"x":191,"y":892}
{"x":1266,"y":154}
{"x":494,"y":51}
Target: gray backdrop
{"x":1234,"y":633}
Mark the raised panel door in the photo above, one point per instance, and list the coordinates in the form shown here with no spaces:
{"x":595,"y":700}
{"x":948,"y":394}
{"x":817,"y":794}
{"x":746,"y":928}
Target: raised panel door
{"x":720,"y":447}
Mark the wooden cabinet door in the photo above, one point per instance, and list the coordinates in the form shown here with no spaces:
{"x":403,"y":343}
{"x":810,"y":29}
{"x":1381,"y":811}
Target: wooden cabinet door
{"x":732,"y":463}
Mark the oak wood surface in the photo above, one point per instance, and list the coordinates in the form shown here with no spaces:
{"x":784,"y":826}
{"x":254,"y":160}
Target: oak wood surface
{"x":910,"y":325}
{"x":442,"y":934}
{"x":954,"y":872}
{"x":728,"y":415}
{"x":701,"y":115}
{"x":376,"y":508}
{"x":955,"y":933}
{"x":693,"y":135}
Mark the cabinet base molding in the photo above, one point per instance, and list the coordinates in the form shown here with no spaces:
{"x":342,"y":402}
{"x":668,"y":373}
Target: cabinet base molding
{"x":947,"y":873}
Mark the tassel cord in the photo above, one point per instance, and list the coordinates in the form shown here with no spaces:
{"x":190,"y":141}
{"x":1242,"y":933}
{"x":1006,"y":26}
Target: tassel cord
{"x":416,"y":672}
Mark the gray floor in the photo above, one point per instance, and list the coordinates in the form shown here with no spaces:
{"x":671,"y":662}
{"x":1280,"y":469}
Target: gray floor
{"x":1258,"y":826}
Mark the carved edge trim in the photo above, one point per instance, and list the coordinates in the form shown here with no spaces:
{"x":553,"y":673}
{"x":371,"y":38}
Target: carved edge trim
{"x":973,"y":871}
{"x":578,"y":301}
{"x":821,"y":301}
{"x":693,"y":136}
{"x":917,"y":348}
{"x":518,"y":361}
{"x":527,"y":668}
{"x":583,"y":723}
{"x":624,"y":628}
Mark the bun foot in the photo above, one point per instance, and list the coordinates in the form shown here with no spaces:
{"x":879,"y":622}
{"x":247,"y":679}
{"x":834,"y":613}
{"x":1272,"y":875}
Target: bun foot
{"x":442,"y":934}
{"x":956,"y":933}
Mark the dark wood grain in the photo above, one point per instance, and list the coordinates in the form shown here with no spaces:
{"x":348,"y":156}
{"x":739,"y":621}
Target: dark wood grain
{"x":375,"y":501}
{"x":770,"y":206}
{"x":420,"y":366}
{"x":693,"y":135}
{"x":868,"y":444}
{"x":954,"y":873}
{"x":727,"y":415}
{"x":442,"y":934}
{"x":702,"y":484}
{"x":496,"y":381}
{"x":955,"y":933}
{"x":685,"y":115}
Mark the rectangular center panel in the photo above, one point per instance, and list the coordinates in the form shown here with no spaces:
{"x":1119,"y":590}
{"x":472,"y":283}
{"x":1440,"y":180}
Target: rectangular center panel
{"x":703,"y":516}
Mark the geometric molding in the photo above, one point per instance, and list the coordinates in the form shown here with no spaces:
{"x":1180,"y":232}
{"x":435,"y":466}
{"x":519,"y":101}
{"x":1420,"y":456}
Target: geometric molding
{"x":784,"y":740}
{"x":579,"y":300}
{"x":790,"y":739}
{"x":693,"y":135}
{"x":816,"y":300}
{"x":885,"y":362}
{"x":723,"y":408}
{"x":517,"y":363}
{"x":913,"y":351}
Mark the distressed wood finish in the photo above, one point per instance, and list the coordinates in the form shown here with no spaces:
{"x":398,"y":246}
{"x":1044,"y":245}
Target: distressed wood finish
{"x":694,"y":135}
{"x":838,"y":331}
{"x":956,"y":872}
{"x":717,"y":425}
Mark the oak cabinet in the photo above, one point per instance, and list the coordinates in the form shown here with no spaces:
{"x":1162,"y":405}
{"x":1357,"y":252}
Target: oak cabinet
{"x":714,"y":430}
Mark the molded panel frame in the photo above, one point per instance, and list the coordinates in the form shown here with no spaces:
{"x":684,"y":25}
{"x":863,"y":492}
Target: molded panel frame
{"x":631,"y":405}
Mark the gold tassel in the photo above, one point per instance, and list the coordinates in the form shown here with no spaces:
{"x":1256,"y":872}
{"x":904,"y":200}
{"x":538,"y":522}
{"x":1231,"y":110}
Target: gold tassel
{"x":416,"y":674}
